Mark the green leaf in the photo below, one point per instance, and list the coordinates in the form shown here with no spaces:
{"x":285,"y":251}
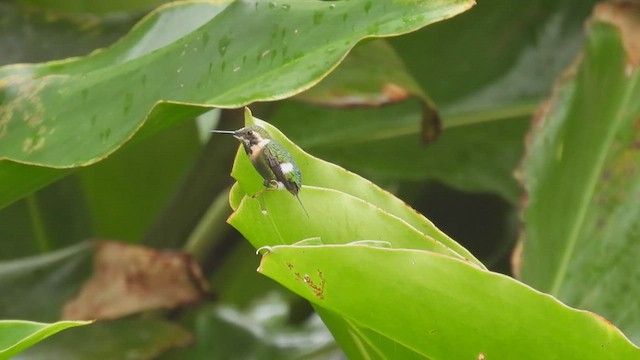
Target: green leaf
{"x":582,"y":215}
{"x":440,"y":307}
{"x":334,"y":217}
{"x":334,"y":199}
{"x":17,"y":335}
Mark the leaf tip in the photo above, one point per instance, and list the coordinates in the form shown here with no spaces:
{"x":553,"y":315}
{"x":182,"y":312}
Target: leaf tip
{"x":248,"y":116}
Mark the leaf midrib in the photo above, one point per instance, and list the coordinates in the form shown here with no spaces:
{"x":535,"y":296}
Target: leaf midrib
{"x":592,"y":182}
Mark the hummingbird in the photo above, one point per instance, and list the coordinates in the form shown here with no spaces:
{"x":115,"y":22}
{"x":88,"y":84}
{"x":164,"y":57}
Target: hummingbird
{"x":274,"y":163}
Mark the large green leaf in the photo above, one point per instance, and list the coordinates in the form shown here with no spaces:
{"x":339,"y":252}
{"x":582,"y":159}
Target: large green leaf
{"x":76,"y":112}
{"x":350,"y":218}
{"x":440,"y":307}
{"x":332,"y":196}
{"x":16,"y":335}
{"x":582,"y":214}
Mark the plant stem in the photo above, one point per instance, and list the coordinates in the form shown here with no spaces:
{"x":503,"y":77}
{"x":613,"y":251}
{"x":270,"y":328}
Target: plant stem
{"x":210,"y":229}
{"x":37,"y":222}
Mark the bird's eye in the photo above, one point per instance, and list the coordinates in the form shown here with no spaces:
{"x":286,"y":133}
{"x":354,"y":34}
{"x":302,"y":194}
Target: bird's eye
{"x":250,"y":132}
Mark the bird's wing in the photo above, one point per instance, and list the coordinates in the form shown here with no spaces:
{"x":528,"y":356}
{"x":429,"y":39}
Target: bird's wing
{"x":276,"y":168}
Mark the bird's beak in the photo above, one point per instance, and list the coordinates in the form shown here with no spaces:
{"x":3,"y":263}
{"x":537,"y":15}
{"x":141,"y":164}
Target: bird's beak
{"x":235,"y":134}
{"x":224,"y":132}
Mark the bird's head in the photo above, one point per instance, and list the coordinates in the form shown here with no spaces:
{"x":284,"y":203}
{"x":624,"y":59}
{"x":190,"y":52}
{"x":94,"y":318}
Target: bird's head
{"x":251,"y":135}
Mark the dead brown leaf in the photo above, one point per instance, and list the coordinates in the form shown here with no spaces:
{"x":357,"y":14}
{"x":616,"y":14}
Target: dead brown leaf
{"x":130,"y":278}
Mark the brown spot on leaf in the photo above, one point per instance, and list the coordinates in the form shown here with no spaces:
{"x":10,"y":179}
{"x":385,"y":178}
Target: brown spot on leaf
{"x":21,"y":104}
{"x":625,"y":15}
{"x":129,"y":279}
{"x":317,"y":287}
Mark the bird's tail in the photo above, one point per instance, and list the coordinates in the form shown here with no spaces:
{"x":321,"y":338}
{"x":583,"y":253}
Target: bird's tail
{"x":303,"y":208}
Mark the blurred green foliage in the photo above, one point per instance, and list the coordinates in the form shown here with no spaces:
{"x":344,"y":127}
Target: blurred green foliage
{"x":114,"y":145}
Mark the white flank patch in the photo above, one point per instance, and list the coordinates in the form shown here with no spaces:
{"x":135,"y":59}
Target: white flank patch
{"x":264,"y":142}
{"x":280,"y":185}
{"x":286,"y":167}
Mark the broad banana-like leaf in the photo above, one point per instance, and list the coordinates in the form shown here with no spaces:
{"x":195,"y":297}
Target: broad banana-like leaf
{"x":582,"y":177}
{"x":437,"y":307}
{"x":178,"y":61}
